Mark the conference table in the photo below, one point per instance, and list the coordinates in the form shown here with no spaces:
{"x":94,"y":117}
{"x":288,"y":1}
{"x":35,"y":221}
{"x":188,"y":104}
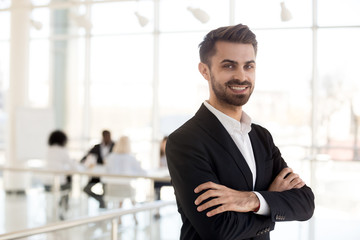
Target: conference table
{"x":99,"y":171}
{"x":154,"y":175}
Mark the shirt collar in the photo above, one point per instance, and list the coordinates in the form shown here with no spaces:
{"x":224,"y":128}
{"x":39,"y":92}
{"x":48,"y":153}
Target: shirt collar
{"x":230,"y":124}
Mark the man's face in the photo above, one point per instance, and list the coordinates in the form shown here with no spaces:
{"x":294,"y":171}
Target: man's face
{"x":106,"y":138}
{"x":232,"y":74}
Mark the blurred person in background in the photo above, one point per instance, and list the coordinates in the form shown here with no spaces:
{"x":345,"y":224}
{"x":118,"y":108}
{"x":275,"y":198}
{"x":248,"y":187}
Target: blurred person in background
{"x":57,"y":158}
{"x":163,"y":166}
{"x":121,"y":161}
{"x":163,"y":162}
{"x":96,"y":156}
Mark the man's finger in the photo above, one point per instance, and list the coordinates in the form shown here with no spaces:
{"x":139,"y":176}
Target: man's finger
{"x":205,"y":195}
{"x":205,"y":186}
{"x":300,"y":184}
{"x":217,"y":210}
{"x":291,"y":177}
{"x":285,"y":172}
{"x":209,"y":204}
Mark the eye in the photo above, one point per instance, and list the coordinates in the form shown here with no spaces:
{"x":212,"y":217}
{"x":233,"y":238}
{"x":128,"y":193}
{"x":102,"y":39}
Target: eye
{"x":249,"y":66}
{"x":229,"y":66}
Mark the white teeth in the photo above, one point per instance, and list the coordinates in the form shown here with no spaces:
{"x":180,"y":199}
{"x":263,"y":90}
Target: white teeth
{"x":238,"y":88}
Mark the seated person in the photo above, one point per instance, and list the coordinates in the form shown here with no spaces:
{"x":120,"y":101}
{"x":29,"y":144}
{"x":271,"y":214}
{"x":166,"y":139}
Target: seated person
{"x":99,"y":152}
{"x":163,"y":165}
{"x":58,"y":158}
{"x":121,"y":161}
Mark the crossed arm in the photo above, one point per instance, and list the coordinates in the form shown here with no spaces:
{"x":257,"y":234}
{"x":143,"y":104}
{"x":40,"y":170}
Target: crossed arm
{"x":214,"y":211}
{"x":228,"y":199}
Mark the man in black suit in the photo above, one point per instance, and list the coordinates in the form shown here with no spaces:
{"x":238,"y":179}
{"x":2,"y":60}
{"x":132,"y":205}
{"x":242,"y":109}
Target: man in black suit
{"x":100,"y":151}
{"x":229,"y":178}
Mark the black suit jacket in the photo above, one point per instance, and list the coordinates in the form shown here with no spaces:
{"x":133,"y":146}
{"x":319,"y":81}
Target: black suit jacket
{"x":202,"y":150}
{"x":96,"y":149}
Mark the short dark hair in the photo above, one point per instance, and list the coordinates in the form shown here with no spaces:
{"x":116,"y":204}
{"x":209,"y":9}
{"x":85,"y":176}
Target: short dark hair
{"x":238,"y":34}
{"x":57,"y":137}
{"x":106,"y":132}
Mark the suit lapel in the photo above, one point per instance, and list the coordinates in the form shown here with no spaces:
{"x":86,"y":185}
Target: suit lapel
{"x":217,"y":131}
{"x":259,"y":157}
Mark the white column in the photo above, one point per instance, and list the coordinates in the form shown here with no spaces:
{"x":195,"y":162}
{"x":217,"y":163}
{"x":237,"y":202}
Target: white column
{"x":156,"y":105}
{"x":314,"y":113}
{"x":19,"y":70}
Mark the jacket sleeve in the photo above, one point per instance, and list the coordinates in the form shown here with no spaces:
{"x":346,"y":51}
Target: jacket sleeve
{"x":189,"y":166}
{"x":93,"y":150}
{"x":294,"y":204}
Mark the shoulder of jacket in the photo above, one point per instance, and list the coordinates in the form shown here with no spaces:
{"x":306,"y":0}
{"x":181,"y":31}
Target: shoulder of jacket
{"x":260,"y":131}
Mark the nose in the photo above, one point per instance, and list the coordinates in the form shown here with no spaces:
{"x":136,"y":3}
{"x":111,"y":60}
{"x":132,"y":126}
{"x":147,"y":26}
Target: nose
{"x":240,"y":74}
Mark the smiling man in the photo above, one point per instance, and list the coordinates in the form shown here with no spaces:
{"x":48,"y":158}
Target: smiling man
{"x":229,"y":178}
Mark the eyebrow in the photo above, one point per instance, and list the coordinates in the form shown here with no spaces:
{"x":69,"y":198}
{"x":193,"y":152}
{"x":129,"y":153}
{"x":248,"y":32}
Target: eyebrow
{"x":235,"y":62}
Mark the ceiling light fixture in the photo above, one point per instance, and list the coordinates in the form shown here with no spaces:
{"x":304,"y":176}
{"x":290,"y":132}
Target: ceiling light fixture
{"x":199,"y":14}
{"x":36,"y":24}
{"x":285,"y":13}
{"x":82,"y":21}
{"x":143,"y":21}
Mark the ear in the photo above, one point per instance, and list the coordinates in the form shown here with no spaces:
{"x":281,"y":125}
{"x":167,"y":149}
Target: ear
{"x":204,"y":70}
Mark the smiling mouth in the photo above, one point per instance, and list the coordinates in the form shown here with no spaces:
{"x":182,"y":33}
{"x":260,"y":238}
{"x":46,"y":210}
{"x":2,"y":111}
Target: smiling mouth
{"x":238,"y":88}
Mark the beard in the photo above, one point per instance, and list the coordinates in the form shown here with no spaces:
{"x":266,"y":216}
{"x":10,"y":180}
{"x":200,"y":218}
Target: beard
{"x":231,"y":99}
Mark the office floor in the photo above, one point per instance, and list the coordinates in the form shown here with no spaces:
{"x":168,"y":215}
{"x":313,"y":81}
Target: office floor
{"x":336,"y":214}
{"x":34,"y":208}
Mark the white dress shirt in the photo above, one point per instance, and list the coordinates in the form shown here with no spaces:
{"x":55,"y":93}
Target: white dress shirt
{"x":239,"y":132}
{"x":57,"y":158}
{"x":121,"y":163}
{"x":104,"y":150}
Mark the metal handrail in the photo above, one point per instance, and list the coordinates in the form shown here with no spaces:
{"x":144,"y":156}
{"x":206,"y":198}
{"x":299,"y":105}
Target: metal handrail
{"x":111,"y":214}
{"x":83,"y":172}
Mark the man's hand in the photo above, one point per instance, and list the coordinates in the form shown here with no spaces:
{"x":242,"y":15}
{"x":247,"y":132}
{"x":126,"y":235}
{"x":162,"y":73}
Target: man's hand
{"x":286,"y":180}
{"x":225,"y":198}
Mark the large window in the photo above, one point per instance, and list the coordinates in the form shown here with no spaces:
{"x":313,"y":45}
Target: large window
{"x":267,"y":14}
{"x":339,"y":91}
{"x":181,"y":87}
{"x":283,"y":84}
{"x":131,"y":67}
{"x":4,"y":72}
{"x":346,"y":12}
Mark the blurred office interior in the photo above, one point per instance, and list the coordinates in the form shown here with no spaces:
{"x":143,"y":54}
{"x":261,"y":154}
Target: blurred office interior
{"x":130,"y":66}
